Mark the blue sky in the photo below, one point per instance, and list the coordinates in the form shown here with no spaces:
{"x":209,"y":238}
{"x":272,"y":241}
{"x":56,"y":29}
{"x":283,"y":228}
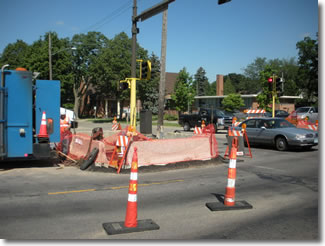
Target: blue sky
{"x":220,"y":38}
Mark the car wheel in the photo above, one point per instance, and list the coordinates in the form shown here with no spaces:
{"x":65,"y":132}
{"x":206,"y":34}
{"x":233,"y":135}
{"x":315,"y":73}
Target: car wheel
{"x":281,"y":144}
{"x":216,"y":127}
{"x":186,"y":126}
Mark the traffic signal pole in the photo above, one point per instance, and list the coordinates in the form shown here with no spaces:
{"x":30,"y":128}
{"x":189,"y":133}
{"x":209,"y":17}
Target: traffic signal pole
{"x":133,"y":80}
{"x":133,"y":96}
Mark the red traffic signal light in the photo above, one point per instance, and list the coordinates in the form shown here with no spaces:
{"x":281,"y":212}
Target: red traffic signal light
{"x":270,"y":80}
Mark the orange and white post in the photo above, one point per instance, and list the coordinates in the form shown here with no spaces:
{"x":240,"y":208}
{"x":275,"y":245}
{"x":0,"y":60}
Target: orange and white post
{"x":230,"y":189}
{"x":131,"y":211}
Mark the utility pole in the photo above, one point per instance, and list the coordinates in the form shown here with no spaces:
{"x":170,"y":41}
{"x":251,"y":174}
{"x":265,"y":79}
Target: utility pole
{"x":134,"y":40}
{"x":50,"y":57}
{"x":161,"y":97}
{"x":133,"y":67}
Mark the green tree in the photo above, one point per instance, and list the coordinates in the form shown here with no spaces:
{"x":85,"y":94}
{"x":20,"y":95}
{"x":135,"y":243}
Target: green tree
{"x":201,"y":83}
{"x":183,"y":95}
{"x":232,"y":102}
{"x":212,"y":91}
{"x":252,"y":72}
{"x":308,"y":67}
{"x":228,"y":87}
{"x":15,"y":54}
{"x":88,"y":48}
{"x":239,"y":82}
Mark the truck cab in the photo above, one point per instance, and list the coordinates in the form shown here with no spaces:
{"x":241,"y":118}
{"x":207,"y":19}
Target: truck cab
{"x":216,"y":116}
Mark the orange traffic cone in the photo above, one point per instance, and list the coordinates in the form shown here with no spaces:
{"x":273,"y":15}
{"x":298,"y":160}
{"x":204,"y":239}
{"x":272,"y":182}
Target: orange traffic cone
{"x":230,"y":189}
{"x":131,"y":224}
{"x":203,"y":124}
{"x":131,"y":211}
{"x":43,"y":130}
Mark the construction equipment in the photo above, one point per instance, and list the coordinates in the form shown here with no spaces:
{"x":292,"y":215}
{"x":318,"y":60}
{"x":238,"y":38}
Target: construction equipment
{"x":22,"y":103}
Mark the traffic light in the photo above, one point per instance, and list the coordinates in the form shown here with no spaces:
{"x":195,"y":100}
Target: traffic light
{"x":124,"y":86}
{"x":270,"y":83}
{"x":223,"y":1}
{"x":279,"y":86}
{"x":145,"y":70}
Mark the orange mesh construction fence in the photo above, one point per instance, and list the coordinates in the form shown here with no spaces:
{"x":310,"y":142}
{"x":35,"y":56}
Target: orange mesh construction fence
{"x":150,"y":152}
{"x":166,"y":151}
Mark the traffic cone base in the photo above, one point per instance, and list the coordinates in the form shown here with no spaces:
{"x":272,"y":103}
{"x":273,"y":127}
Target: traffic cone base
{"x":113,"y":228}
{"x":219,"y":206}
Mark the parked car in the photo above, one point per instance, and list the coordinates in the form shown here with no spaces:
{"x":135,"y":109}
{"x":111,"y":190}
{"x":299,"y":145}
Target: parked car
{"x":216,"y":117}
{"x":279,"y":133}
{"x":311,"y":112}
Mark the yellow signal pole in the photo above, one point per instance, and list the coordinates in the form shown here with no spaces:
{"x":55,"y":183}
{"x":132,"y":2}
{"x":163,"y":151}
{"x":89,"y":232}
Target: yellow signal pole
{"x":133,"y":96}
{"x":132,"y":82}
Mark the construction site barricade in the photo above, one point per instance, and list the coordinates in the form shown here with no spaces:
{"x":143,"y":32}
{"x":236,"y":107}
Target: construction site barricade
{"x":166,"y":151}
{"x":150,"y":151}
{"x":255,"y":111}
{"x":307,"y":125}
{"x":197,"y":130}
{"x":80,"y":144}
{"x":241,"y":147}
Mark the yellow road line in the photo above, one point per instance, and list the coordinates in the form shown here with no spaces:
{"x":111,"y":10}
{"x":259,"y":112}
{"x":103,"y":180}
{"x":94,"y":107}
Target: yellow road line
{"x":115,"y":188}
{"x":71,"y":191}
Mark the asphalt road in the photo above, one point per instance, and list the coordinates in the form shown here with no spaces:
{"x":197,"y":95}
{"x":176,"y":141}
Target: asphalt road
{"x":67,"y":203}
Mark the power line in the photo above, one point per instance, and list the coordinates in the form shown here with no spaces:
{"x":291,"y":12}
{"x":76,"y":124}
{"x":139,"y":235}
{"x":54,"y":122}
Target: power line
{"x":114,"y":14}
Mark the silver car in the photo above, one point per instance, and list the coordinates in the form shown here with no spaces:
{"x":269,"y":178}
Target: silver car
{"x":279,"y":133}
{"x":310,"y":112}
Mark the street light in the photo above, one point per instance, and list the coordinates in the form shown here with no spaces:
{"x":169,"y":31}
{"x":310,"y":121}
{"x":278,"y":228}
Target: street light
{"x":50,"y":55}
{"x":50,"y":58}
{"x":72,"y":48}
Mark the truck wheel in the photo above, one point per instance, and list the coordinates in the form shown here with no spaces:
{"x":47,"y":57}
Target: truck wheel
{"x":186,"y":126}
{"x":86,"y":163}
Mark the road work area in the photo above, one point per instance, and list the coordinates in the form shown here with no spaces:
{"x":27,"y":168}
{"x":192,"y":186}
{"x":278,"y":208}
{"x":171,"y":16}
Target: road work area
{"x":67,"y":203}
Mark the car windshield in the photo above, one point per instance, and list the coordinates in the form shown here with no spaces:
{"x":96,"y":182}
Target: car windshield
{"x":278,"y":123}
{"x":302,"y":110}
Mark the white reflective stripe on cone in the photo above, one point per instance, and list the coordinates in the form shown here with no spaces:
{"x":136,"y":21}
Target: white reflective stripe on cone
{"x":134,"y":176}
{"x":232,"y":163}
{"x":132,"y":197}
{"x":231,"y":183}
{"x":230,"y":199}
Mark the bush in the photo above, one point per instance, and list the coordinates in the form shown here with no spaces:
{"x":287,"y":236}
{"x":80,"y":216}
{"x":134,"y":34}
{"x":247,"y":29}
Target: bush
{"x":170,"y":117}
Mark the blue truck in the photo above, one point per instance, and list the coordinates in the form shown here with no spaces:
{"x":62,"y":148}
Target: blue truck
{"x":23,"y":100}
